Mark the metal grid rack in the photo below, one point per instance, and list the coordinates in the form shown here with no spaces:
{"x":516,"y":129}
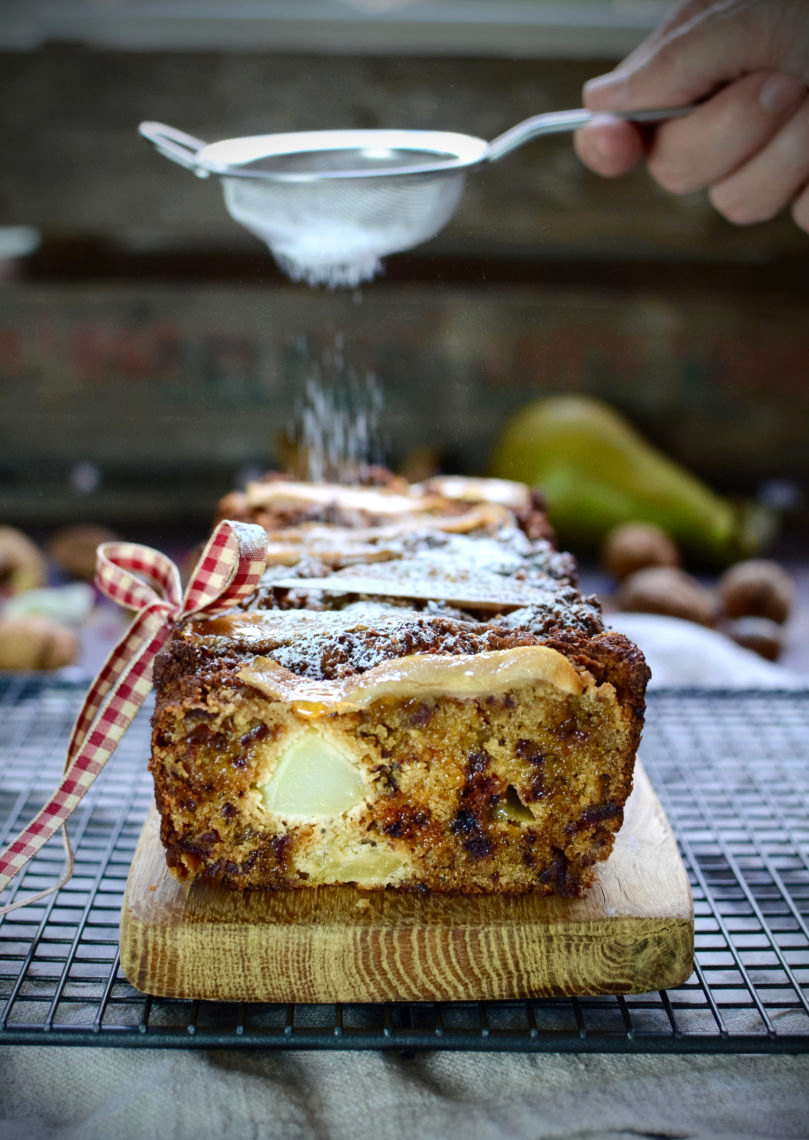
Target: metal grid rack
{"x":732,"y":771}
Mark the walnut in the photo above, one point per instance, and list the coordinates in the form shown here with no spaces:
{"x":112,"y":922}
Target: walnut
{"x":666,"y":590}
{"x":762,"y":635}
{"x":73,"y":548}
{"x":32,"y":641}
{"x":22,"y":566}
{"x":757,"y":588}
{"x":634,"y":545}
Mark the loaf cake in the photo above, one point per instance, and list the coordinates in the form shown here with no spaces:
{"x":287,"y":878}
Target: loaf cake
{"x":416,"y":697}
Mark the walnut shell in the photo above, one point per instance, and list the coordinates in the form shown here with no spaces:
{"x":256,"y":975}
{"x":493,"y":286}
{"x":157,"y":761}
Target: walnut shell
{"x":33,"y":642}
{"x":760,"y":634}
{"x":635,"y":545}
{"x":757,"y":588}
{"x":666,"y":590}
{"x":73,"y":548}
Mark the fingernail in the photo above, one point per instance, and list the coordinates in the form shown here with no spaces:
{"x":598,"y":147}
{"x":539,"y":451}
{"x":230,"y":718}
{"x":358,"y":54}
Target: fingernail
{"x":779,"y":93}
{"x":606,"y":92}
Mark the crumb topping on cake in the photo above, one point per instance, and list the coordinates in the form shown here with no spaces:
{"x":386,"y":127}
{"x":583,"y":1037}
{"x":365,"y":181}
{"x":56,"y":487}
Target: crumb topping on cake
{"x":354,"y":636}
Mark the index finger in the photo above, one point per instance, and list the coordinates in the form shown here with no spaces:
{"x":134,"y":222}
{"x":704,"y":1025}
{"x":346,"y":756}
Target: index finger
{"x":695,"y":54}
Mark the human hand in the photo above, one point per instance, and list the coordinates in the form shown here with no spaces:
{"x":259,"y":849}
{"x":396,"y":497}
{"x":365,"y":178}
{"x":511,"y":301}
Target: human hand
{"x":747,"y":64}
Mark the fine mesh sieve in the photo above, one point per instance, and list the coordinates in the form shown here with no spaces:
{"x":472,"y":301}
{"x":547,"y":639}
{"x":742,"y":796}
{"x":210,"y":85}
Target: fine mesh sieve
{"x":331,"y":204}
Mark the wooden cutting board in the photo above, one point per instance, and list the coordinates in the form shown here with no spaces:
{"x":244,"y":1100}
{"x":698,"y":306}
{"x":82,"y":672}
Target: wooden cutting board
{"x":633,"y":932}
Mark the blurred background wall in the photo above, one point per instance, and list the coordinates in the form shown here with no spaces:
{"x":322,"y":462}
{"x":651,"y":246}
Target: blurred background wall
{"x":151,"y":354}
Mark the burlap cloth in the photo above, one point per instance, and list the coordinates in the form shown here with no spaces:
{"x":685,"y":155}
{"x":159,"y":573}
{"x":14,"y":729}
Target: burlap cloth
{"x":129,"y":1094}
{"x":98,"y":1094}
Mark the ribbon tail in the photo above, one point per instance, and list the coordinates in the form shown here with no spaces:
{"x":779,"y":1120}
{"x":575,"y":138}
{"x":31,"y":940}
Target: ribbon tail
{"x":114,"y":716}
{"x":65,"y":877}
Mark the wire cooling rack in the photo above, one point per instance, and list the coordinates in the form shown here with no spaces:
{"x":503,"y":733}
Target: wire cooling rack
{"x":731,"y":769}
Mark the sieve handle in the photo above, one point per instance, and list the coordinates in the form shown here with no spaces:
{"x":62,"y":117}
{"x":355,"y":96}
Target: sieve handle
{"x":555,"y":122}
{"x":176,"y":145}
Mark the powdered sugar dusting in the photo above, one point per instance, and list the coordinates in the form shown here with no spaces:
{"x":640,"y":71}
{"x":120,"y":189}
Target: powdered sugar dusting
{"x":336,"y":427}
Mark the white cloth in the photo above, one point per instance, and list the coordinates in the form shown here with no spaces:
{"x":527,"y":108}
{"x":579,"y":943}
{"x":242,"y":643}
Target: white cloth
{"x":683,"y":654}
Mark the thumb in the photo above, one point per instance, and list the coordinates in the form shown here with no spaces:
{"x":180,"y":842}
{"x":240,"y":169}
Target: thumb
{"x":692,"y":56}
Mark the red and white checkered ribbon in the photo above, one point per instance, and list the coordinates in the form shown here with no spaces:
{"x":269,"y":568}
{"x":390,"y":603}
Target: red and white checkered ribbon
{"x":148,"y":582}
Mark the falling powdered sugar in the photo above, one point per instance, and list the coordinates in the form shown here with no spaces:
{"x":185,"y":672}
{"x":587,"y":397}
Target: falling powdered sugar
{"x":336,"y":426}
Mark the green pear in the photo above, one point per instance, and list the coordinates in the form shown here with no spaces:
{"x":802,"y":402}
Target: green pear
{"x":597,"y":471}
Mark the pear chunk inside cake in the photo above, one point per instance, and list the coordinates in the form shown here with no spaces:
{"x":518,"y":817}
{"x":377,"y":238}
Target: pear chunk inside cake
{"x":314,"y":779}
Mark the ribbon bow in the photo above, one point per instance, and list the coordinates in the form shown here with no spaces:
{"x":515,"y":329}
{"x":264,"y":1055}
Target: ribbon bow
{"x":145,"y":580}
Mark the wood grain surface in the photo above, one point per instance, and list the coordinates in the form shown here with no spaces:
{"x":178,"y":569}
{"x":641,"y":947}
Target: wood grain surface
{"x":631,"y":933}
